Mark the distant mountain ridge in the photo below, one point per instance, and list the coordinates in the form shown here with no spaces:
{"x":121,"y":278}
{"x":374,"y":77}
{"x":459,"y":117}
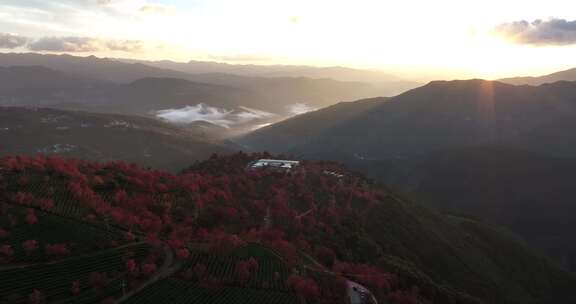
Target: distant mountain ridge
{"x":110,"y":85}
{"x":98,"y":68}
{"x":383,"y":84}
{"x":333,"y":72}
{"x":441,"y":114}
{"x":567,"y":75}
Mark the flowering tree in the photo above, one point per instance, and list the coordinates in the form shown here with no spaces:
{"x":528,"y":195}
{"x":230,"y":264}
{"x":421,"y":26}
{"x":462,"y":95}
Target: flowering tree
{"x":216,"y":203}
{"x":97,"y":280}
{"x":30,"y":217}
{"x":36,"y":297}
{"x":306,"y":288}
{"x":6,"y":252}
{"x":4,"y":233}
{"x":148,"y":269}
{"x":325,"y":255}
{"x":57,"y":250}
{"x":30,"y":246}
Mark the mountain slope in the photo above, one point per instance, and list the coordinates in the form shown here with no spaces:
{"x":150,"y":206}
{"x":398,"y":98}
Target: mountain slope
{"x":305,"y":128}
{"x":38,"y":77}
{"x":101,"y":137}
{"x":92,"y":67}
{"x":121,"y":82}
{"x":153,"y":94}
{"x":273,"y":71}
{"x":535,"y":201}
{"x":284,"y":89}
{"x":449,"y":114}
{"x":442,"y":115}
{"x":400,"y":141}
{"x":384,"y":84}
{"x":287,"y":91}
{"x":311,"y":232}
{"x":37,"y":85}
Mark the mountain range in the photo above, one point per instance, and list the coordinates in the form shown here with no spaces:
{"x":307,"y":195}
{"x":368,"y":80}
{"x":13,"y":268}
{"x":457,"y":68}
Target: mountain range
{"x":567,"y":75}
{"x":115,"y":86}
{"x":274,"y":71}
{"x":469,"y":183}
{"x":440,"y":115}
{"x":446,"y":138}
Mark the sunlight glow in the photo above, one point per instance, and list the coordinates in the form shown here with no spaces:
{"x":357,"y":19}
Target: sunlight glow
{"x":449,"y":37}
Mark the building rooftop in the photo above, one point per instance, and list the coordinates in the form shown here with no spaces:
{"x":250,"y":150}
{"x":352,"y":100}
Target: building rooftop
{"x":274,"y":163}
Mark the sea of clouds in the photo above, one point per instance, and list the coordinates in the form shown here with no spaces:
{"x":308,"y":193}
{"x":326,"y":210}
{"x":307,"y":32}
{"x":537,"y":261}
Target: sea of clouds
{"x":218,"y":116}
{"x":225,"y":117}
{"x":299,"y":108}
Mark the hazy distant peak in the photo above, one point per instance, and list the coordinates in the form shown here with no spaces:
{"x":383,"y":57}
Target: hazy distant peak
{"x":567,"y":75}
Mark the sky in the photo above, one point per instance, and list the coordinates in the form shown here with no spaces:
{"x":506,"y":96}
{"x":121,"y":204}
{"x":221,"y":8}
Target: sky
{"x":440,"y":38}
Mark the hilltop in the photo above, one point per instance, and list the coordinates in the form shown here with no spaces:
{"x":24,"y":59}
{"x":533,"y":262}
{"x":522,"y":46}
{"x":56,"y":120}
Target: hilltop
{"x":191,"y":235}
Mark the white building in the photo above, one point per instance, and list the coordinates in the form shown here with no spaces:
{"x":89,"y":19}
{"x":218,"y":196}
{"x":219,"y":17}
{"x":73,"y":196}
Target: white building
{"x":359,"y":294}
{"x":276,"y":164}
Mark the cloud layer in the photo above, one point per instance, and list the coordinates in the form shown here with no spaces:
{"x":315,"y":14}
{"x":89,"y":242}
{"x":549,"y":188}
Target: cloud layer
{"x":299,"y":108}
{"x":8,"y":41}
{"x":539,"y":32}
{"x":70,"y":44}
{"x":156,"y":9}
{"x":84,"y":44}
{"x":218,"y":116}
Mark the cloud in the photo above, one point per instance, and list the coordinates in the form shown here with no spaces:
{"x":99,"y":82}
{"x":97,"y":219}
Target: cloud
{"x":218,"y":116}
{"x":156,"y":9}
{"x":299,"y":108}
{"x":70,"y":44}
{"x":249,"y":114}
{"x":9,"y":41}
{"x":237,"y":57}
{"x":125,"y":45}
{"x":84,"y":44}
{"x":539,"y":32}
{"x":66,"y":44}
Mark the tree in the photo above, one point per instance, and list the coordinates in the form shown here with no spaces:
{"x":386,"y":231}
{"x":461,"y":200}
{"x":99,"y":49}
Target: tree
{"x":30,"y":217}
{"x":132,"y":267}
{"x":199,"y":271}
{"x":307,"y":288}
{"x":46,"y":204}
{"x":4,"y":233}
{"x":183,"y":253}
{"x":36,"y":297}
{"x":97,"y":280}
{"x":108,"y":300}
{"x":148,"y":269}
{"x":30,"y":246}
{"x":57,"y":250}
{"x":6,"y":252}
{"x":75,"y":289}
{"x":243,"y":272}
{"x":325,"y":255}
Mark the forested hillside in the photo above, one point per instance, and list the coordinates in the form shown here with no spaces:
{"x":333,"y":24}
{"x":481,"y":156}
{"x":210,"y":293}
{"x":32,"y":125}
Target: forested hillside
{"x":319,"y":224}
